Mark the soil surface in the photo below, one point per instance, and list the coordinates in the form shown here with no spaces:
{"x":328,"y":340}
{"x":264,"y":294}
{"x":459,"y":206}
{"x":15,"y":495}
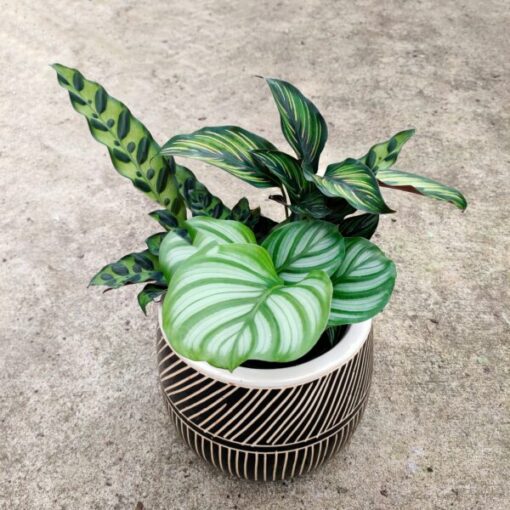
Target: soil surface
{"x":82,"y":421}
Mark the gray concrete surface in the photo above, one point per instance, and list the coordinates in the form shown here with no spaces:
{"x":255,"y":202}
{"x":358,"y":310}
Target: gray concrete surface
{"x":82,"y":421}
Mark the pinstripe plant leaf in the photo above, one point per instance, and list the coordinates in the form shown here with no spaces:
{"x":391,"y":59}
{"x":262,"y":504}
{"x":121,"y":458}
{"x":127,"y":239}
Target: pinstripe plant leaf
{"x":133,"y":268}
{"x":133,"y":151}
{"x":203,"y":233}
{"x":385,"y":154}
{"x":302,"y":124}
{"x":150,"y":293}
{"x":362,"y":225}
{"x":299,"y":247}
{"x":229,"y":305}
{"x":391,"y":178}
{"x":227,"y":147}
{"x":363,"y":283}
{"x":353,"y":181}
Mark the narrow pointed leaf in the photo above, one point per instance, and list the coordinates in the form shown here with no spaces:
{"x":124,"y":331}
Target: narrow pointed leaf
{"x":383,"y":155}
{"x":302,"y":124}
{"x":133,"y":268}
{"x":154,"y":242}
{"x":227,"y":147}
{"x":229,"y":305}
{"x":405,"y":181}
{"x":363,"y":283}
{"x":133,"y":151}
{"x":165,"y":218}
{"x":363,"y":225}
{"x":353,"y":181}
{"x":299,"y":247}
{"x":150,"y":293}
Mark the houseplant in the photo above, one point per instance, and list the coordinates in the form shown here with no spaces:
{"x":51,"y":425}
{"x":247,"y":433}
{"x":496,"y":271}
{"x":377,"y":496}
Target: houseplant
{"x":265,"y":338}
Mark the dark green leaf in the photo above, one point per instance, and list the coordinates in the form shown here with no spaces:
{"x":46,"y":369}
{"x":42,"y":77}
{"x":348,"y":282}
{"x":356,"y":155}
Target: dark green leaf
{"x":363,"y":225}
{"x":150,"y":293}
{"x":165,"y":218}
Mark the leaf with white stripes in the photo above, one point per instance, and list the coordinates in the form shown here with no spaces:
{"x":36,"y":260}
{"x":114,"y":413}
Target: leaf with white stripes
{"x":227,"y":147}
{"x":405,"y":181}
{"x":363,"y":283}
{"x":229,"y":305}
{"x":353,"y":181}
{"x":302,"y":124}
{"x":302,"y":246}
{"x":385,"y":154}
{"x":202,"y":233}
{"x":362,"y":225}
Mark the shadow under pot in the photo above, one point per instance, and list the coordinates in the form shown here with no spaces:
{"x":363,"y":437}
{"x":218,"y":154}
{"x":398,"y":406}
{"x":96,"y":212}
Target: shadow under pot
{"x":269,"y":424}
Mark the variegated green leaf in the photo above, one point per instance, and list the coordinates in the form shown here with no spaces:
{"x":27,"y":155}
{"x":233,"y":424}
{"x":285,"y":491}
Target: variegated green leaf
{"x":132,"y":149}
{"x":362,"y":225}
{"x":165,"y":218}
{"x":229,"y":305}
{"x":405,"y":181}
{"x":154,"y":242}
{"x":302,"y":124}
{"x":199,"y":200}
{"x":203,"y":233}
{"x":150,"y":293}
{"x":302,"y":246}
{"x":311,"y":205}
{"x":383,"y":155}
{"x":133,"y":268}
{"x":363,"y":283}
{"x":286,"y":170}
{"x":353,"y":181}
{"x":227,"y":147}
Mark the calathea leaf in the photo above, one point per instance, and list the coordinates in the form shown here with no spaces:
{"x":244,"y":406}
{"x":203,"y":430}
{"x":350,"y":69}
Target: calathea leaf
{"x":199,"y":200}
{"x":203,"y":233}
{"x":405,"y":181}
{"x":154,"y":242}
{"x":227,"y":147}
{"x":242,"y":212}
{"x":133,"y":268}
{"x":302,"y":125}
{"x":150,"y":293}
{"x":362,"y":225}
{"x":385,"y":154}
{"x":229,"y":305}
{"x":363,"y":283}
{"x":165,"y":218}
{"x":132,"y":149}
{"x":311,"y":205}
{"x":285,"y":169}
{"x":353,"y":181}
{"x":299,"y":247}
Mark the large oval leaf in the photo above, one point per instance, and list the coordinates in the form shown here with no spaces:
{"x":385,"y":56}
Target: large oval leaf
{"x":227,"y":147}
{"x":302,"y":246}
{"x":202,"y":233}
{"x":363,"y":283}
{"x":133,"y":151}
{"x":302,"y":124}
{"x":353,"y":181}
{"x":405,"y":181}
{"x":229,"y":305}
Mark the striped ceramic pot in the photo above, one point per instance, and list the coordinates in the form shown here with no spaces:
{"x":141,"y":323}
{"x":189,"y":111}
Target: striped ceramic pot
{"x":269,"y":424}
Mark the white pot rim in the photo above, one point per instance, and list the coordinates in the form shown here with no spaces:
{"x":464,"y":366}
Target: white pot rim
{"x":351,"y":343}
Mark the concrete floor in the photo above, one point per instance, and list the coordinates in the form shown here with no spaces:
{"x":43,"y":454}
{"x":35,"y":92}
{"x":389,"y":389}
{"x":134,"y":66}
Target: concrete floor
{"x":82,"y":420}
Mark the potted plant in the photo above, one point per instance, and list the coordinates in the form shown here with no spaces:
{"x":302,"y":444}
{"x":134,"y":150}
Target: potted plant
{"x":265,"y":337}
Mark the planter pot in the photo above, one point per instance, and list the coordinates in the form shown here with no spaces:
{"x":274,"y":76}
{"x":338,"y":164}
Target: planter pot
{"x":269,"y":424}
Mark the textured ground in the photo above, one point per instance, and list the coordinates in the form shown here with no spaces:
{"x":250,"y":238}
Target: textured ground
{"x":82,"y":422}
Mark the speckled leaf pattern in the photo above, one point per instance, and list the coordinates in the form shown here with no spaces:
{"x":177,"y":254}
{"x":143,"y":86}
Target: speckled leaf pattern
{"x":154,"y":242}
{"x":150,"y":293}
{"x":133,"y":268}
{"x":362,"y":225}
{"x":132,"y":149}
{"x":353,"y":181}
{"x":229,"y":305}
{"x":165,"y":218}
{"x":302,"y":124}
{"x":405,"y":181}
{"x":385,"y":154}
{"x":227,"y":147}
{"x":299,"y":247}
{"x":363,"y":283}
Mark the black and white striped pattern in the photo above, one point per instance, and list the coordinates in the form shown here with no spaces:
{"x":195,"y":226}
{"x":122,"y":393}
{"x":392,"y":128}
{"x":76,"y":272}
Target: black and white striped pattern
{"x":265,"y":434}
